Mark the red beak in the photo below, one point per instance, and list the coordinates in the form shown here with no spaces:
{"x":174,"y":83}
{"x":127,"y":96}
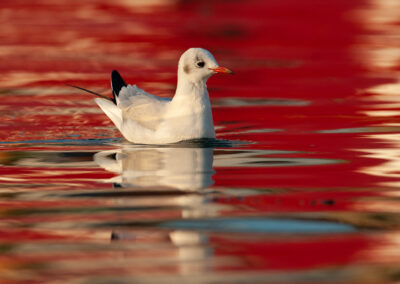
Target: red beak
{"x":221,"y":70}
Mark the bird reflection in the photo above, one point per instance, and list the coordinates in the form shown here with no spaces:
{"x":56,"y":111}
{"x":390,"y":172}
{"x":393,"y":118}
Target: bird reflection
{"x":159,"y":170}
{"x":173,"y":168}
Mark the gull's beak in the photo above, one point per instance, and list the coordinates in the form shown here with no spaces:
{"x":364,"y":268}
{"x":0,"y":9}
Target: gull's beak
{"x":221,"y":70}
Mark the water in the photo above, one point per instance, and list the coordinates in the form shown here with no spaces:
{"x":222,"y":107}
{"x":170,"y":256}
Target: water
{"x":301,"y":185}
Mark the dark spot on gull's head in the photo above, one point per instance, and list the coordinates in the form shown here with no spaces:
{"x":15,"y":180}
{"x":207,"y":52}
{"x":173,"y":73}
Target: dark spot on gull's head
{"x":186,"y":69}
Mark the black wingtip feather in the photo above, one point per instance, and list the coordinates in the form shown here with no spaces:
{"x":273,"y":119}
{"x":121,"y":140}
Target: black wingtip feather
{"x":116,"y":83}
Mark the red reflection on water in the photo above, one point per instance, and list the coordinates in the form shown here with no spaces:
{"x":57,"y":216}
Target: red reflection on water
{"x":337,"y":56}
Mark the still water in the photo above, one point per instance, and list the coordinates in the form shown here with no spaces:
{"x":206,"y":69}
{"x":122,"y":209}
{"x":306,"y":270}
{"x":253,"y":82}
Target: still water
{"x":302,"y":185}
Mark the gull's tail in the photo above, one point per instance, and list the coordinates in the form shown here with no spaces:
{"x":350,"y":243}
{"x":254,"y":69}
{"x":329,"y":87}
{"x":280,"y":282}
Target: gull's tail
{"x":109,"y":105}
{"x":111,"y":110}
{"x":116,"y":84}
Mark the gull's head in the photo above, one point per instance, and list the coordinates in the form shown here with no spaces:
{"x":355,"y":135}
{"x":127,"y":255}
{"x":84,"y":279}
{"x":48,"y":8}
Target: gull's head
{"x":198,"y":64}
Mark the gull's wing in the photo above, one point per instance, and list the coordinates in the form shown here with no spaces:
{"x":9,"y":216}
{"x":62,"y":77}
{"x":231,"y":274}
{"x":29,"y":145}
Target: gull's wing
{"x":136,"y":113}
{"x":145,"y":109}
{"x":116,"y":84}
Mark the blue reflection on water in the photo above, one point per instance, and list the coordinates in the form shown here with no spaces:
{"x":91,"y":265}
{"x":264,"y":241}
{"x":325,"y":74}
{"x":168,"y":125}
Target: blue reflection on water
{"x":260,"y":226}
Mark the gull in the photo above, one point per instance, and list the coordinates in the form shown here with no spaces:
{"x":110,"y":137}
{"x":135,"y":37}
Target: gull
{"x":144,"y":118}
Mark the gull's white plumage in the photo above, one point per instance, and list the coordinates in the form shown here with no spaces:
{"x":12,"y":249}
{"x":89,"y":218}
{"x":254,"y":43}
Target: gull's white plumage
{"x":148,"y":119}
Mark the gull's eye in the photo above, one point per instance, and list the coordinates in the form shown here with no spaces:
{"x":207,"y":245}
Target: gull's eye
{"x":200,"y":64}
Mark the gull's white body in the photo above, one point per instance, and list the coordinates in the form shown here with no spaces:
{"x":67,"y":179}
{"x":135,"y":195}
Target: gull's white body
{"x":148,"y":119}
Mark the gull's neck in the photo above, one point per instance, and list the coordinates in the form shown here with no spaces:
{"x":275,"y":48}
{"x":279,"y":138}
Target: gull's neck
{"x":192,"y":109}
{"x":187,"y":88}
{"x":191,"y":99}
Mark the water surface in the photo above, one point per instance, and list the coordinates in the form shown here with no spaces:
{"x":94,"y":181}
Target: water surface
{"x":300,"y":187}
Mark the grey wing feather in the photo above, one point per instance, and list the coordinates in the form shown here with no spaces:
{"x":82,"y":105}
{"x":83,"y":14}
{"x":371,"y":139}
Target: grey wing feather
{"x":137,"y":105}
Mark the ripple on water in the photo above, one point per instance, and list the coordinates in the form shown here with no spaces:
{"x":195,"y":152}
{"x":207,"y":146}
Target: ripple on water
{"x":371,"y":129}
{"x":261,"y":102}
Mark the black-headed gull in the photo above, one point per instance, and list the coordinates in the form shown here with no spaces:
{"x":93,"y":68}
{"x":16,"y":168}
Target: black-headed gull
{"x":148,"y":119}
